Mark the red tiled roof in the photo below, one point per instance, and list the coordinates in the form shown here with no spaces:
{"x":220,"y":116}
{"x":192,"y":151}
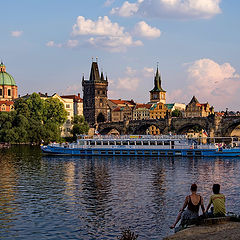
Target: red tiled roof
{"x":119,"y":101}
{"x":74,"y":97}
{"x":7,"y":103}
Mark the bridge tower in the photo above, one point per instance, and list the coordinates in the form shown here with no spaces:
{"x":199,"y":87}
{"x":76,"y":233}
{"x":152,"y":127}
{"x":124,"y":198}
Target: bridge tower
{"x":95,"y":96}
{"x":157,"y":94}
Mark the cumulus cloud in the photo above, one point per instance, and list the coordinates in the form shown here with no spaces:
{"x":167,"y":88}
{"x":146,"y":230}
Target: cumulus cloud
{"x":186,"y":9}
{"x":16,"y":33}
{"x":130,"y":81}
{"x":127,"y":9}
{"x":142,"y":29}
{"x":108,"y":3}
{"x":104,"y":34}
{"x":217,"y":83}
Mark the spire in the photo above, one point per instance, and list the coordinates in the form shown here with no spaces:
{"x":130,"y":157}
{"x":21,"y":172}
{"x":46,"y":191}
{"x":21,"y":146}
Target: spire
{"x":194,"y":100}
{"x":106,"y":77}
{"x":157,"y":82}
{"x":94,"y":75}
{"x":102,"y":77}
{"x":2,"y":67}
{"x":83,"y":77}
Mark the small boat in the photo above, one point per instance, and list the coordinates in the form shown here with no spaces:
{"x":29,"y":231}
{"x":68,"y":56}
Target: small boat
{"x":143,"y":145}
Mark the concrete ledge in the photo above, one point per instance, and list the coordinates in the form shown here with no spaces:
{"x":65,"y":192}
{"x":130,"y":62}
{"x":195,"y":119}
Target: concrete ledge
{"x":221,"y":229}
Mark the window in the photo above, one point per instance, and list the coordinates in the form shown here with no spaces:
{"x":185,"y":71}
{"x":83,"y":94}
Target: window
{"x":1,"y":92}
{"x":9,"y":92}
{"x":67,"y":105}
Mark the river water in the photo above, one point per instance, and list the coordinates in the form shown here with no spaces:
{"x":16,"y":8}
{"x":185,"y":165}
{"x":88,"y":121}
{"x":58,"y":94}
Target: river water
{"x":97,"y":198}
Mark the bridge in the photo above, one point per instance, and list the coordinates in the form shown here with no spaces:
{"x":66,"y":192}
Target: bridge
{"x":216,"y":126}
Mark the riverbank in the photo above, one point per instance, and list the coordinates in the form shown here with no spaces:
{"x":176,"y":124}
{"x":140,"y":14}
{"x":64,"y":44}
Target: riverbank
{"x":225,"y":230}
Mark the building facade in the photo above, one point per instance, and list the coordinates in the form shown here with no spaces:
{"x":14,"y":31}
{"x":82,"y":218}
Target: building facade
{"x":120,"y":110}
{"x":157,"y":94}
{"x":95,"y":89}
{"x":8,"y":90}
{"x":141,"y":111}
{"x":196,"y":109}
{"x":157,"y":111}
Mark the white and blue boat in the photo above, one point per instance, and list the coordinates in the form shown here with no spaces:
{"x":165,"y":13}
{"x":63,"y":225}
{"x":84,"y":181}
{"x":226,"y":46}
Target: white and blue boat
{"x":144,"y":145}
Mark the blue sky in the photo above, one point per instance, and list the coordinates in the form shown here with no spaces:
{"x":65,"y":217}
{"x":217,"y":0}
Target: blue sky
{"x":47,"y":45}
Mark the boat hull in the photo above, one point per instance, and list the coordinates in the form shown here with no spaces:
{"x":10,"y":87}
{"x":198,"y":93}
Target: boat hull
{"x":54,"y":150}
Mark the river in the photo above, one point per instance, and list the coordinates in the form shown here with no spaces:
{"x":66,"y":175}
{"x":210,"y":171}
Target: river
{"x":97,"y":198}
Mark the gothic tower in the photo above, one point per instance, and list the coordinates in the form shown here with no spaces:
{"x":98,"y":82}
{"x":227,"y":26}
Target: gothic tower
{"x":157,"y":94}
{"x":95,"y":96}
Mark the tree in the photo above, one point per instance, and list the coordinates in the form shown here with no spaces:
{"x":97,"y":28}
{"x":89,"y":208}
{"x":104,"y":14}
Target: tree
{"x":80,"y":126}
{"x":33,"y":120}
{"x":176,"y":113}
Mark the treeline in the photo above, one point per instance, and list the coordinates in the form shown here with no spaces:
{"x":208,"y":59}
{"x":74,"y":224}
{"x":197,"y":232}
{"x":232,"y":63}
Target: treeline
{"x":34,"y":120}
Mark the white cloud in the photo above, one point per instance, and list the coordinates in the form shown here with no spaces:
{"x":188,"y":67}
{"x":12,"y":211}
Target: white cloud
{"x":72,"y":43}
{"x":142,"y":29}
{"x":127,"y":9}
{"x":216,"y":83}
{"x":186,"y":9}
{"x":53,"y":44}
{"x":102,"y":27}
{"x":148,"y":72}
{"x":108,"y":3}
{"x":16,"y":33}
{"x":130,"y":81}
{"x":69,"y":44}
{"x":105,"y":34}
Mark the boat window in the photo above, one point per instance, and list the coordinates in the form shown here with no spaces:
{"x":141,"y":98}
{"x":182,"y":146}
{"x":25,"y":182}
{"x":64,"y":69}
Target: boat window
{"x":117,"y":152}
{"x":99,"y":142}
{"x":138,"y":143}
{"x":92,"y":142}
{"x":152,"y":143}
{"x":154,"y":153}
{"x":162,"y":153}
{"x":124,"y":152}
{"x":118,"y":143}
{"x":125,"y":143}
{"x":166,"y":143}
{"x":147,"y":152}
{"x":172,"y":142}
{"x":132,"y":152}
{"x":139,"y":152}
{"x":105,"y":142}
{"x":111,"y":143}
{"x":110,"y":152}
{"x":159,"y":143}
{"x":131,"y":143}
{"x":145,"y":142}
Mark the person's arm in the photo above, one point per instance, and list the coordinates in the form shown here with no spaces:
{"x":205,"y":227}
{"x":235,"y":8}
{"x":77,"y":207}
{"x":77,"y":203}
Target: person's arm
{"x":202,"y":205}
{"x":209,"y":205}
{"x":185,"y":204}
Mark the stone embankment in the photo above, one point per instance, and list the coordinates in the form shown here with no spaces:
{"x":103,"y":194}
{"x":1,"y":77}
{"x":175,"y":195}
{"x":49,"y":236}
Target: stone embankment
{"x":210,"y":230}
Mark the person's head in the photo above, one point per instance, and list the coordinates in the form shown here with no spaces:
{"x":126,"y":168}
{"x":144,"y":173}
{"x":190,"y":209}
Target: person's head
{"x":194,"y":187}
{"x":216,"y":188}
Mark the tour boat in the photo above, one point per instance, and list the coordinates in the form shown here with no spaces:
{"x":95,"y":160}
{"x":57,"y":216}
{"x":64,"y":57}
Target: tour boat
{"x":144,"y":145}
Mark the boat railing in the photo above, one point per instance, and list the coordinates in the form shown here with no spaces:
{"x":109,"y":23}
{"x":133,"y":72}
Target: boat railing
{"x":132,"y":137}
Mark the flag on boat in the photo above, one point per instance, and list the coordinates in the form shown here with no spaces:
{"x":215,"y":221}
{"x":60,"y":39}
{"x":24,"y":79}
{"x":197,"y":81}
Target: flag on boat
{"x":205,"y":133}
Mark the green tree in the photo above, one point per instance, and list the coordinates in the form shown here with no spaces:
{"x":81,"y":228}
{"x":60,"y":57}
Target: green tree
{"x":80,"y":126}
{"x":176,"y":113}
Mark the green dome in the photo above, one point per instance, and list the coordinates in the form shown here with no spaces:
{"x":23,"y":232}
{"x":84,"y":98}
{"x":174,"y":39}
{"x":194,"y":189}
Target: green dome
{"x":6,"y":79}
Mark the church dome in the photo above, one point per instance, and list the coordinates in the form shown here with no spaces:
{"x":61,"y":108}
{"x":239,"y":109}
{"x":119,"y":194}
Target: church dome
{"x":6,"y":78}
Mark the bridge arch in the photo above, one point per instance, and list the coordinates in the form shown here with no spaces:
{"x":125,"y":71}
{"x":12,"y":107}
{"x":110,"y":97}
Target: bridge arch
{"x":186,"y":127}
{"x":107,"y":130}
{"x":229,"y":127}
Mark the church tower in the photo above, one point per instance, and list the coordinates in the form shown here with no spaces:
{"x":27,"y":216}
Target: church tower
{"x":95,"y":96}
{"x":157,"y":94}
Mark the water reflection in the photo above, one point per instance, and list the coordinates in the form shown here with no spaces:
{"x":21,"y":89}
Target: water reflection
{"x":95,"y":198}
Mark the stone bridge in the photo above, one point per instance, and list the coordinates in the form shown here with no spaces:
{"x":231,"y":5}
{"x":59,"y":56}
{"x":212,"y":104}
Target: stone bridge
{"x":214,"y":125}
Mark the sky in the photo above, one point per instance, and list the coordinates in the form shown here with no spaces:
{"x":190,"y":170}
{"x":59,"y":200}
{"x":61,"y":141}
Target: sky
{"x":48,"y":45}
